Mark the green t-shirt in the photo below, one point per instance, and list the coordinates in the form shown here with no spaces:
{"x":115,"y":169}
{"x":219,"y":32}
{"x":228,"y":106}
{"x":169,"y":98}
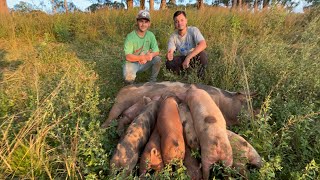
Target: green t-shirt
{"x":136,"y":45}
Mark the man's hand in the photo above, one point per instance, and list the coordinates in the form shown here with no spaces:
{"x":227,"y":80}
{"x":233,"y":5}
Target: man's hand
{"x":186,"y":63}
{"x":148,"y":56}
{"x":170,"y":55}
{"x":142,"y":61}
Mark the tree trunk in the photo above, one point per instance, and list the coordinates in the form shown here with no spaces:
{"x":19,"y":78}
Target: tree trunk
{"x":163,"y":4}
{"x":234,"y":4}
{"x":66,"y":6}
{"x":200,"y":4}
{"x":255,"y":5}
{"x":53,"y":7}
{"x":172,"y":2}
{"x":142,"y":3}
{"x":266,"y":3}
{"x":3,"y":7}
{"x":129,"y":4}
{"x":151,"y":5}
{"x":239,"y":4}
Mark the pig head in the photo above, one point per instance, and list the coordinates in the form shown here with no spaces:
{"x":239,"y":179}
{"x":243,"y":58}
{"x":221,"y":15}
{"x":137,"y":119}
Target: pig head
{"x":129,"y":114}
{"x":243,"y":153}
{"x":230,"y":103}
{"x":128,"y":149}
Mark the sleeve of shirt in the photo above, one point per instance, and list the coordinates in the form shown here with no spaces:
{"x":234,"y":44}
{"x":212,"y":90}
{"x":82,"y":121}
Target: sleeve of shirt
{"x":128,"y":46}
{"x":154,"y":44}
{"x":197,"y":35}
{"x":171,"y":43}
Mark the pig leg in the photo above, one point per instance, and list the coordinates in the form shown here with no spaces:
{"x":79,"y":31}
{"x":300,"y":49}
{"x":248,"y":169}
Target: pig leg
{"x":192,"y":165}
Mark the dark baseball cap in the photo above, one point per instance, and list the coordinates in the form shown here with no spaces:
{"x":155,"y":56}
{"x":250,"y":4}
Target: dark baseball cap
{"x":143,"y":14}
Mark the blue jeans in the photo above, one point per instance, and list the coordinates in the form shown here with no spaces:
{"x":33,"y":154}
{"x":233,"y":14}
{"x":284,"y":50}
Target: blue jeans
{"x":130,"y":69}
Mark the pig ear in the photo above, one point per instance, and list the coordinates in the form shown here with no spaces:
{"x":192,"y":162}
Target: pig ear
{"x":146,"y":99}
{"x":153,"y":155}
{"x":244,"y":96}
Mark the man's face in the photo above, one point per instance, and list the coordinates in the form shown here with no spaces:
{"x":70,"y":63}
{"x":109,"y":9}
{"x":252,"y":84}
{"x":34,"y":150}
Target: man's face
{"x":143,"y":25}
{"x":180,"y":22}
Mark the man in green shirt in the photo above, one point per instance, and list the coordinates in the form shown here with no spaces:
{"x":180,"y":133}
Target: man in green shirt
{"x":141,"y":50}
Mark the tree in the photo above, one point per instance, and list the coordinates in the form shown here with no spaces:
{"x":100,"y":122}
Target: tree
{"x":129,"y":4}
{"x":142,"y":4}
{"x":200,"y":4}
{"x":151,"y":5}
{"x":266,"y":3}
{"x":4,"y":7}
{"x":66,"y":6}
{"x":163,"y":4}
{"x":62,"y":6}
{"x":23,"y":7}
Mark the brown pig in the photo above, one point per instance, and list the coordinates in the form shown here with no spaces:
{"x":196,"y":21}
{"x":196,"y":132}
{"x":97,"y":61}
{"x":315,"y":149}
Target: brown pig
{"x":170,"y":131}
{"x":132,"y":112}
{"x":189,"y":133}
{"x":128,"y":149}
{"x":243,"y":153}
{"x":151,"y":157}
{"x":192,"y":165}
{"x":230,"y":103}
{"x":210,"y":128}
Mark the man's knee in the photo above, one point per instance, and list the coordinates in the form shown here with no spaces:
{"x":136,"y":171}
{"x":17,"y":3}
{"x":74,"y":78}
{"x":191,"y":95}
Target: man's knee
{"x":170,"y":65}
{"x":129,"y":74}
{"x":129,"y":78}
{"x":203,"y":56}
{"x":156,"y":60}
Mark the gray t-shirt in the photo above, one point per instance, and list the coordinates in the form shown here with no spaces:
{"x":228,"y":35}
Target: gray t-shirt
{"x":182,"y":45}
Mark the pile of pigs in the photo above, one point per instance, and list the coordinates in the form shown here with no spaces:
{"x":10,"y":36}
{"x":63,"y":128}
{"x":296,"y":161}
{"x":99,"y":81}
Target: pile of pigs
{"x":167,"y":120}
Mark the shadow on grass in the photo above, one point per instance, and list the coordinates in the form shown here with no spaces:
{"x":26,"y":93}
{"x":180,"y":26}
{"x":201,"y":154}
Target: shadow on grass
{"x":7,"y":65}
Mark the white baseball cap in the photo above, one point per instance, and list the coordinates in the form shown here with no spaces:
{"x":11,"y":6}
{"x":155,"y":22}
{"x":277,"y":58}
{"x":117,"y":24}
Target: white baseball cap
{"x":143,"y":14}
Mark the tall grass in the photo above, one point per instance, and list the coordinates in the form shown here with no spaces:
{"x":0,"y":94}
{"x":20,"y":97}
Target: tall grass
{"x":59,"y":75}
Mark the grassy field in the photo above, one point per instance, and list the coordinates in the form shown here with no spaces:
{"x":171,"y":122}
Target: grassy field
{"x":59,"y":75}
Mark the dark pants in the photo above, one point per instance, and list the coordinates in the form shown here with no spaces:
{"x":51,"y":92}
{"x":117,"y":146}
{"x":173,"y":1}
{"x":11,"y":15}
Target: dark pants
{"x":176,"y":64}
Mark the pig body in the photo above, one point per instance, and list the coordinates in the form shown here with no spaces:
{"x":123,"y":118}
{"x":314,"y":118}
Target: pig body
{"x":127,"y":151}
{"x":243,"y":153}
{"x":210,"y":128}
{"x":129,"y":114}
{"x":230,"y":103}
{"x":170,"y":131}
{"x":191,"y":138}
{"x":151,"y":157}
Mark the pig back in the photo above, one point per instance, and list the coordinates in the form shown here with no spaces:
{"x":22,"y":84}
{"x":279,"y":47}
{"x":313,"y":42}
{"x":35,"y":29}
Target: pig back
{"x":170,"y":130}
{"x":128,"y":149}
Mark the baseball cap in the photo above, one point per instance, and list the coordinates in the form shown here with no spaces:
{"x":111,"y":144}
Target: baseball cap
{"x":143,"y":14}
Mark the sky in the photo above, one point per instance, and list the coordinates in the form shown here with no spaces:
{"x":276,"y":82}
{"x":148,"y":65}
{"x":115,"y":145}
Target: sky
{"x":82,"y":4}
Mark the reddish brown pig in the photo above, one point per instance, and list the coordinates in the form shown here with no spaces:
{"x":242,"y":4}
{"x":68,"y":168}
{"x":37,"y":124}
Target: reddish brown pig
{"x":192,"y":165}
{"x":230,"y":103}
{"x":151,"y":157}
{"x":128,"y":149}
{"x":189,"y":133}
{"x":243,"y":153}
{"x":210,"y":128}
{"x":132,"y":112}
{"x":170,"y":131}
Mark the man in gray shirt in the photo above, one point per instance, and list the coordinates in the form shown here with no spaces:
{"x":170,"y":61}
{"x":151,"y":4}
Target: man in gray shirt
{"x":188,"y":44}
